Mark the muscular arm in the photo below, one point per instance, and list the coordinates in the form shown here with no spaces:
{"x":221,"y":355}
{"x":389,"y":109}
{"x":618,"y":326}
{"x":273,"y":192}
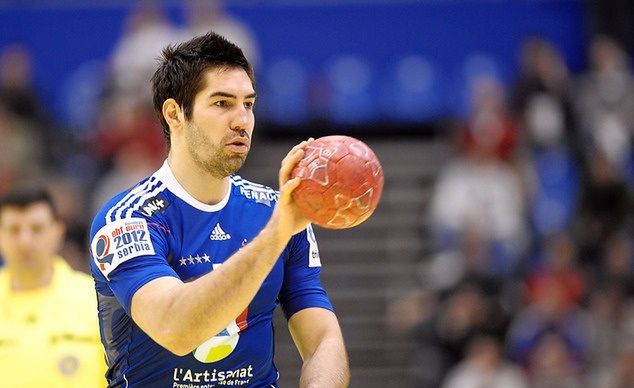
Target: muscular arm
{"x":318,"y":338}
{"x":204,"y":307}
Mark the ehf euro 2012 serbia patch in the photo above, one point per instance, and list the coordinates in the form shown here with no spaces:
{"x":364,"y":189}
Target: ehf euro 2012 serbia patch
{"x":120,"y":241}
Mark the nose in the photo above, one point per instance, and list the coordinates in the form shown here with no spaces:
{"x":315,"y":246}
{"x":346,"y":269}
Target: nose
{"x":25,"y":238}
{"x":242,"y":119}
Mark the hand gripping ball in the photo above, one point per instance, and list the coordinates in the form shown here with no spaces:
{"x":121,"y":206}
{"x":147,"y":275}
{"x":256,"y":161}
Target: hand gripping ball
{"x":341,"y":182}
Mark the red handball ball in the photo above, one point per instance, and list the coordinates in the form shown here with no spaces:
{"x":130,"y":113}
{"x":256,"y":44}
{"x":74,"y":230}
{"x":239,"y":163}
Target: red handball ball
{"x":341,"y":182}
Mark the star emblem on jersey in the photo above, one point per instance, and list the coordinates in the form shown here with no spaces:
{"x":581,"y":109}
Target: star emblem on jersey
{"x":193,"y":260}
{"x":217,"y":234}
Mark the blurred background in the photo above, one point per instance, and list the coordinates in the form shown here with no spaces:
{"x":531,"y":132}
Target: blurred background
{"x":501,"y":253}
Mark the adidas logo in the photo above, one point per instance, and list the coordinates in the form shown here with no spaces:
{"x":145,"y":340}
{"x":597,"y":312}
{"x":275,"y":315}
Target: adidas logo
{"x":218,"y":234}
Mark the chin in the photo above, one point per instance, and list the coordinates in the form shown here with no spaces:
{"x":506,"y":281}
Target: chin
{"x":231,"y":166}
{"x":234,"y":164}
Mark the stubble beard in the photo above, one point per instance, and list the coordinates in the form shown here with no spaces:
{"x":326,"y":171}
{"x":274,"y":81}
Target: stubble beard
{"x":210,"y":157}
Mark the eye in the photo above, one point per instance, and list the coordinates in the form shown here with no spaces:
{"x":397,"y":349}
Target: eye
{"x":249,"y":104}
{"x":222,"y":103}
{"x":37,"y":229}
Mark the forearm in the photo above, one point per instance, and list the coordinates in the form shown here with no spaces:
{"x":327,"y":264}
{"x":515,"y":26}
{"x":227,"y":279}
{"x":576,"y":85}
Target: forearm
{"x":207,"y":305}
{"x":327,"y":366}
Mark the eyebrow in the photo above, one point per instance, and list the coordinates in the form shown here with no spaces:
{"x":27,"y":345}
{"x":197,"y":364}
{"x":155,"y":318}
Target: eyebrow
{"x":229,"y":95}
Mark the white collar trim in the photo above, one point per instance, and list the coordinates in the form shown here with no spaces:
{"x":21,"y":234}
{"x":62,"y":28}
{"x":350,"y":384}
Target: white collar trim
{"x":165,"y":175}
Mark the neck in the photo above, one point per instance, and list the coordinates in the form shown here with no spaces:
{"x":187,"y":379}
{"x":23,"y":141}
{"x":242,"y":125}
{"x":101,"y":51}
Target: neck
{"x":27,"y":279}
{"x":199,"y":183}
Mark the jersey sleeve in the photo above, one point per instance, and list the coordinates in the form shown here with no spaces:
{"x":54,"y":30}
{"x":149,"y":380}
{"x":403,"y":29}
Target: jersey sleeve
{"x":302,"y":287}
{"x":127,"y":253}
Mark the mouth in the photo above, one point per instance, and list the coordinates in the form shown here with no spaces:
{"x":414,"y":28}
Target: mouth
{"x":239,"y":145}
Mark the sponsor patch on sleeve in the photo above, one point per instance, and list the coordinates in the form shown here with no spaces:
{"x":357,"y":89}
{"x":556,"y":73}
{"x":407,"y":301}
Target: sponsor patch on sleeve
{"x":120,"y":241}
{"x":313,"y":250}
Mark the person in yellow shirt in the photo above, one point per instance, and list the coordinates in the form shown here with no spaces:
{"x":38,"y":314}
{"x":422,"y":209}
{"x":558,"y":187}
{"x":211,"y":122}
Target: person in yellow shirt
{"x":49,"y":332}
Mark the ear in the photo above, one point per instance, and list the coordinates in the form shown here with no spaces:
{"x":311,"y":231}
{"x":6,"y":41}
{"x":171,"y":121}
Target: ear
{"x":173,"y":114}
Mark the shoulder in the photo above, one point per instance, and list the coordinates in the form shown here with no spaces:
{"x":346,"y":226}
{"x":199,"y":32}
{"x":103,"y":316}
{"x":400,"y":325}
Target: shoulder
{"x":142,"y":203}
{"x":129,"y":225}
{"x":254,"y":192}
{"x":136,"y":200}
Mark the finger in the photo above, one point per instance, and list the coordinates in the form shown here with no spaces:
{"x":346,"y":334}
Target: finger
{"x":293,"y":150}
{"x":287,"y":189}
{"x":292,"y":184}
{"x":289,"y":164}
{"x":301,"y":145}
{"x":290,"y":161}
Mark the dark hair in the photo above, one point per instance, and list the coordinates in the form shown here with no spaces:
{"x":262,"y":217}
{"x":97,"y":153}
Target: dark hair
{"x":23,"y":196}
{"x":180,"y":72}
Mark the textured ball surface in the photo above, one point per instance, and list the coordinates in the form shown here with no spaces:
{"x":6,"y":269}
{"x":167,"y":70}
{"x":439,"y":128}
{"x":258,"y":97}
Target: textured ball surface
{"x":341,"y":182}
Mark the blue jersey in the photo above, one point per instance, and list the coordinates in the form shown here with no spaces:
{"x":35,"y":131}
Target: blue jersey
{"x":157,"y":229}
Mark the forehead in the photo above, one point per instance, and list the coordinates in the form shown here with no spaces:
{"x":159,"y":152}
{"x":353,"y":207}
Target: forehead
{"x":233,"y":80}
{"x":36,"y":212}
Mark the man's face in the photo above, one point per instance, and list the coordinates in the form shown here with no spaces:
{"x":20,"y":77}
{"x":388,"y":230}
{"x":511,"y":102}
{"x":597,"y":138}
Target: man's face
{"x":29,"y":236}
{"x":218,"y":136}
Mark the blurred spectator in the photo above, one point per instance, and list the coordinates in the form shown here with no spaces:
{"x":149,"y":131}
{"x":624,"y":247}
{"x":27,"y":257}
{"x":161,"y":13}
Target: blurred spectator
{"x":147,"y":31}
{"x":445,"y":335}
{"x":124,"y":121}
{"x":611,"y":326}
{"x":550,"y":336}
{"x":477,"y":191}
{"x":16,"y":84}
{"x":550,"y":171}
{"x":543,"y":327}
{"x":557,"y":276}
{"x":542,"y":101}
{"x":490,"y":132}
{"x":19,"y":95}
{"x":544,"y":75}
{"x":603,"y":208}
{"x":485,"y":367}
{"x":20,"y":149}
{"x":472,"y":260}
{"x":552,"y":364}
{"x":605,"y":104}
{"x":613,"y":18}
{"x":204,"y":15}
{"x":48,"y":322}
